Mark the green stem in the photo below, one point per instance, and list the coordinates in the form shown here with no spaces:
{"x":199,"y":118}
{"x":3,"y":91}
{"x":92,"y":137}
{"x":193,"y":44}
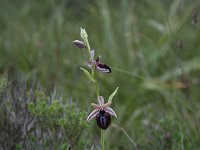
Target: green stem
{"x":88,"y":48}
{"x":102,"y":139}
{"x":97,"y":93}
{"x":94,"y":76}
{"x":97,"y":86}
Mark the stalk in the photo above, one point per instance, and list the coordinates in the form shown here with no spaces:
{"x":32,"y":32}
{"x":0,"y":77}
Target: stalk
{"x":102,"y":139}
{"x":97,"y":93}
{"x":94,"y":75}
{"x":96,"y":84}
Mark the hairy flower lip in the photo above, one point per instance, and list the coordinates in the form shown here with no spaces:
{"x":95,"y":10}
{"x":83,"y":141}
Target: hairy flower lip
{"x":104,"y":68}
{"x":101,"y":106}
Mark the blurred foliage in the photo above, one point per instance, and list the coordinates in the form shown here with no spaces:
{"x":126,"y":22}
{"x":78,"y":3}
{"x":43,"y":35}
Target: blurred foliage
{"x":32,"y":120}
{"x":151,"y":46}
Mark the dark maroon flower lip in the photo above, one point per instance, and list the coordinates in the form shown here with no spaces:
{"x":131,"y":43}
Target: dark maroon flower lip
{"x":97,"y":64}
{"x":103,"y":119}
{"x":104,"y":68}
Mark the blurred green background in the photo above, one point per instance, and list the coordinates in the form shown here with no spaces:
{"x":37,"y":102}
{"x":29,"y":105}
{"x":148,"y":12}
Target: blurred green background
{"x":152,"y":47}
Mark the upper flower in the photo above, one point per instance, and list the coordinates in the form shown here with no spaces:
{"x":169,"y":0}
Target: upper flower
{"x":97,"y":64}
{"x":79,"y":44}
{"x":102,"y":113}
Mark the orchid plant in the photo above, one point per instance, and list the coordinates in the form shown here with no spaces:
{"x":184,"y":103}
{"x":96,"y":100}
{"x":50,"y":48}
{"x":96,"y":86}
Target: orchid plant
{"x":102,"y":111}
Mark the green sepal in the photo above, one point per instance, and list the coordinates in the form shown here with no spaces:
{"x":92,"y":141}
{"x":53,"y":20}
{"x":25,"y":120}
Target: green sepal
{"x":112,"y":95}
{"x":88,"y":74}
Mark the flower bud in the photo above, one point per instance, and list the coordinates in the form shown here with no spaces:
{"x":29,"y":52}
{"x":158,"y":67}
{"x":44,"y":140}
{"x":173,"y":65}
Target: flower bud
{"x":79,"y":44}
{"x":84,"y":35}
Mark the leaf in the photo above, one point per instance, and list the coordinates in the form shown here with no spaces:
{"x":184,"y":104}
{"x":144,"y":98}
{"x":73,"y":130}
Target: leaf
{"x":88,"y":74}
{"x":112,"y":95}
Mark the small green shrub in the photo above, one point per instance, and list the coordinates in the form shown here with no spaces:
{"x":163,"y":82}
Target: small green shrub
{"x":29,"y":119}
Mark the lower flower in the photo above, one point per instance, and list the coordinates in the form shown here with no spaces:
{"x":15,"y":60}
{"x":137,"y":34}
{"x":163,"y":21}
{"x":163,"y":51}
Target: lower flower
{"x":102,"y":113}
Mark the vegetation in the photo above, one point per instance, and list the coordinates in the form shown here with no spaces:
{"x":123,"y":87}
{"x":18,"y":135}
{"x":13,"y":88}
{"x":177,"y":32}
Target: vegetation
{"x":152,"y":48}
{"x":30,"y":119}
